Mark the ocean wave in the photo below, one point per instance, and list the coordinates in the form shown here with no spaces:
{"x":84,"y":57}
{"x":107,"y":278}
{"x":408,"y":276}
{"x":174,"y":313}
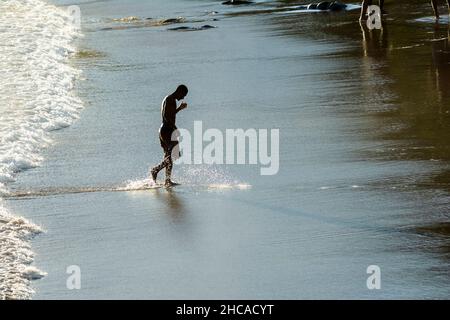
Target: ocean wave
{"x":37,"y":97}
{"x":37,"y":81}
{"x":16,"y":256}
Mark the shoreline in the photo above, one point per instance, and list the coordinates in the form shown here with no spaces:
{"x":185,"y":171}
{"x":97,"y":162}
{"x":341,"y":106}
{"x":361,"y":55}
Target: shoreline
{"x":352,"y":188}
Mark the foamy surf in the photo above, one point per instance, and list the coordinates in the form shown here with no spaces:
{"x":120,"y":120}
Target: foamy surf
{"x":37,"y":81}
{"x":37,"y":97}
{"x":16,"y":256}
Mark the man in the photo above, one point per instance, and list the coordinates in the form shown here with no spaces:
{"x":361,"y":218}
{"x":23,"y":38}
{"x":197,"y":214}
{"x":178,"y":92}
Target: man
{"x":435,"y":8}
{"x":169,"y":111}
{"x":365,"y":4}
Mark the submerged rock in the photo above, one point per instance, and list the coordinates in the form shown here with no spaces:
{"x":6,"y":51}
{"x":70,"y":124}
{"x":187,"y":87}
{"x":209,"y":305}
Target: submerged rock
{"x":187,"y":28}
{"x":236,"y":2}
{"x":327,"y":6}
{"x":172,"y":20}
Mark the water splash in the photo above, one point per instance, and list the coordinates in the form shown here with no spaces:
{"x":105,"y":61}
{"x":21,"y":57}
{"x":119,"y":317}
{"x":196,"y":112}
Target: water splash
{"x":213,"y":177}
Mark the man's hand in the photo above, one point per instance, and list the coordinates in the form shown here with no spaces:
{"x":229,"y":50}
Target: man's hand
{"x":182,"y":106}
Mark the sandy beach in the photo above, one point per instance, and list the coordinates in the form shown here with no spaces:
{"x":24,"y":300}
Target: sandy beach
{"x":364,"y":121}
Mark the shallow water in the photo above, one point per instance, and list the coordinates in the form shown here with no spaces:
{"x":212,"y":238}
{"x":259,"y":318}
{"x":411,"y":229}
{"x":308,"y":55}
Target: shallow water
{"x":364,"y":157}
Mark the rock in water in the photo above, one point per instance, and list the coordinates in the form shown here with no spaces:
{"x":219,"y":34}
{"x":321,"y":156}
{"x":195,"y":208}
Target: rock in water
{"x":323,"y":5}
{"x":337,"y":6}
{"x":236,"y":2}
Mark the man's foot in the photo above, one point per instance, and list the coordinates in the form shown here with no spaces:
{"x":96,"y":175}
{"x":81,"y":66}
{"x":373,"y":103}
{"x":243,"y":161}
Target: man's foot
{"x":169,"y":183}
{"x":154,"y":174}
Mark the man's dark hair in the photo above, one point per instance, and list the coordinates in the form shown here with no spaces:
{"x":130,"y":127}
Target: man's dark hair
{"x":182,"y":89}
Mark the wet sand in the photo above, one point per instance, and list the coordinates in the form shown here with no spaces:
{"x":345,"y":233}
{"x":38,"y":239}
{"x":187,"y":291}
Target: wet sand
{"x":364,"y":174}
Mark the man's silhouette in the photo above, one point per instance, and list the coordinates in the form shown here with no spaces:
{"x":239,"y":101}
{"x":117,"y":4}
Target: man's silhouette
{"x":169,"y":111}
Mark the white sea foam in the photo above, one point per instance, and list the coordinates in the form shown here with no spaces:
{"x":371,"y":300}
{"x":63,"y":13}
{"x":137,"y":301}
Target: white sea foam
{"x":204,"y":176}
{"x":138,"y":185}
{"x":211,"y":177}
{"x":36,"y":97}
{"x":36,"y":82}
{"x":16,"y":256}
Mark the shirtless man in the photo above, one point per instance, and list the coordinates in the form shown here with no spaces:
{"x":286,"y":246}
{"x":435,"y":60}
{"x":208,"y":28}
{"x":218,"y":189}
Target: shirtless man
{"x":169,"y":111}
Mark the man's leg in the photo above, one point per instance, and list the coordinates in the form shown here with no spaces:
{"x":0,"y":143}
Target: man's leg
{"x":166,"y":162}
{"x":169,"y":166}
{"x":365,"y":4}
{"x":171,"y":148}
{"x":448,"y":5}
{"x":435,"y":8}
{"x":173,"y":153}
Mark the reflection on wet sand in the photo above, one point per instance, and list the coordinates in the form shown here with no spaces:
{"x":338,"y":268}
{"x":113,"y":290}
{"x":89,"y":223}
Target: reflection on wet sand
{"x":440,"y":73}
{"x":421,"y":74}
{"x":374,"y":42}
{"x":375,"y":50}
{"x":421,"y":116}
{"x":175,"y":207}
{"x":441,"y":62}
{"x":404,"y":96}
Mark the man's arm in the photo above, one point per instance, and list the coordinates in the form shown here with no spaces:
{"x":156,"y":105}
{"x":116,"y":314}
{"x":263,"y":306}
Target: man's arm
{"x":182,"y":106}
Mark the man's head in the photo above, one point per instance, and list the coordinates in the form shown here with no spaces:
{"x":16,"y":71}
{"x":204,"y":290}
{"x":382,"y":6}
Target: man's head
{"x":181,"y":92}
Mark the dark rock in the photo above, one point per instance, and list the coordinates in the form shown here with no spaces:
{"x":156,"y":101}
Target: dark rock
{"x":323,"y":5}
{"x":187,"y":28}
{"x":236,"y":2}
